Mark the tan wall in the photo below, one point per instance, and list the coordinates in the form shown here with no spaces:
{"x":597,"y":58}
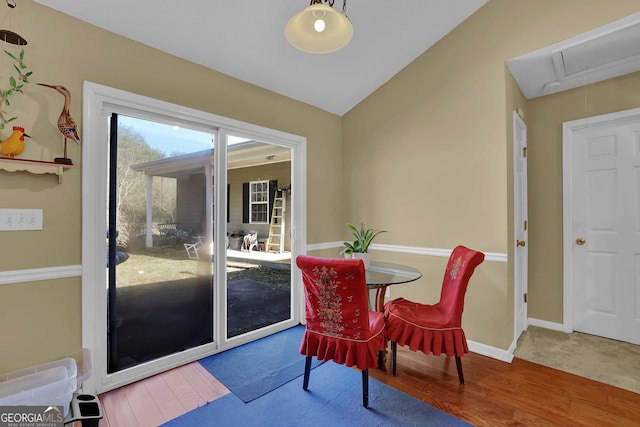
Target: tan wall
{"x":546,"y":116}
{"x":63,"y":50}
{"x":33,"y":328}
{"x":428,"y":155}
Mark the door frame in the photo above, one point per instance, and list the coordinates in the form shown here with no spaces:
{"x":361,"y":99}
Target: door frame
{"x":568,"y":130}
{"x":98,"y":103}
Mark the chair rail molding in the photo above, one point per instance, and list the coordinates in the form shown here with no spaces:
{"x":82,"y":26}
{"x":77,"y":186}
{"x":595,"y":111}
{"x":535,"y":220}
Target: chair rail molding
{"x":37,"y":274}
{"x":416,"y":250}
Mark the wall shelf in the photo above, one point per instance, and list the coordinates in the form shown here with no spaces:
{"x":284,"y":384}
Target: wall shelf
{"x":33,"y":166}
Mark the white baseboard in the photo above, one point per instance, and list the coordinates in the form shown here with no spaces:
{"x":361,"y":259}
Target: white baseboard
{"x":546,"y":324}
{"x":489,"y":351}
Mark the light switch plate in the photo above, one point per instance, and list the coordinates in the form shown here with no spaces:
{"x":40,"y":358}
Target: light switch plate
{"x":20,"y":219}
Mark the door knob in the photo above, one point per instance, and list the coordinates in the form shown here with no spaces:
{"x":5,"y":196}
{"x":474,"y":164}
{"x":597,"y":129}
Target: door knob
{"x":580,"y":241}
{"x":520,"y":243}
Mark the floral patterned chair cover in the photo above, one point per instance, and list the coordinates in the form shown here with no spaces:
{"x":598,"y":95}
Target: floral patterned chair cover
{"x":340,"y":326}
{"x":435,"y":328}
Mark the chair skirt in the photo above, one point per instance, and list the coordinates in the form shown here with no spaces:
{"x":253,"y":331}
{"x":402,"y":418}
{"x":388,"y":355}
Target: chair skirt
{"x":350,"y":352}
{"x":411,"y":329}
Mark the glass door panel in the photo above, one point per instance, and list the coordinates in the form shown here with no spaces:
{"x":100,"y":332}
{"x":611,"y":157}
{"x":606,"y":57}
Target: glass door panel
{"x":258,"y":257}
{"x":160,"y":285}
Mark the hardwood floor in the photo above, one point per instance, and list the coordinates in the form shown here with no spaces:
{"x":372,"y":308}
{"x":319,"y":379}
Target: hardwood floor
{"x":517,"y":394}
{"x":495,"y":394}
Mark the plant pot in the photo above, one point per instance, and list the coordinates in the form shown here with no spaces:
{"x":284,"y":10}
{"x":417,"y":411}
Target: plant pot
{"x":364,"y":256}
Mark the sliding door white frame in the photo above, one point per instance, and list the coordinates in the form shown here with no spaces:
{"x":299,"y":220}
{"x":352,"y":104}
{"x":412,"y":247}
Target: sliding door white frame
{"x":98,"y":103}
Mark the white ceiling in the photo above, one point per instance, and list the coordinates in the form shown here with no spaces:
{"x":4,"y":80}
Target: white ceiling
{"x":245,"y":39}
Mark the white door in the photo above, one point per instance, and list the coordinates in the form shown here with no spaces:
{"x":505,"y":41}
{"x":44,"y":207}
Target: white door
{"x":520,"y":223}
{"x":602,"y":243}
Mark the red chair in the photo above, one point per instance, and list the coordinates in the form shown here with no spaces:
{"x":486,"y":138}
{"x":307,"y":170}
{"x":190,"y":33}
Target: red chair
{"x":340,"y":326}
{"x":435,"y":328}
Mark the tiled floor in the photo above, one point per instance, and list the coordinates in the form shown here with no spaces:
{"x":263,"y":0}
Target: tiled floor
{"x":155,"y":400}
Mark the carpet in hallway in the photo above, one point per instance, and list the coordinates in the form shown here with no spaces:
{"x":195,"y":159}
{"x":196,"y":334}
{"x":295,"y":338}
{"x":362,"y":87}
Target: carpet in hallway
{"x":609,"y":361}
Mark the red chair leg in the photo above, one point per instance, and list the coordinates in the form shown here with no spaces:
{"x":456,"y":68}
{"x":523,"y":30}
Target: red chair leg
{"x":365,"y":388}
{"x":307,"y":371}
{"x":394,"y":351}
{"x":459,"y":366}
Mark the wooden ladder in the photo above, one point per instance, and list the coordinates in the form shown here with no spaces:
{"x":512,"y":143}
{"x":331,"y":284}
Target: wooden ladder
{"x":275,"y":243}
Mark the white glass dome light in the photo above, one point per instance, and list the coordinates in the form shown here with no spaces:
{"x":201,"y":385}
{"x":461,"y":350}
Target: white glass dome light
{"x":319,"y":29}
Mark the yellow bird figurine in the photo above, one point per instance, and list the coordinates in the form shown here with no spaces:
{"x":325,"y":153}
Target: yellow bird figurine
{"x":13,"y":145}
{"x":66,"y":125}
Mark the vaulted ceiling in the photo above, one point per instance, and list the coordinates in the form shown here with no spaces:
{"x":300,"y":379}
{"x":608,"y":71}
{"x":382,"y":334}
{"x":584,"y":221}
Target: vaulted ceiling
{"x":245,"y":39}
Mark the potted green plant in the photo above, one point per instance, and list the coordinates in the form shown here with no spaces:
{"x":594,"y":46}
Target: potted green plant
{"x":359,"y":248}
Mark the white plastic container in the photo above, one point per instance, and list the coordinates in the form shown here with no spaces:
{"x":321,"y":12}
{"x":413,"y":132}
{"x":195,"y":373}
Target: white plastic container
{"x":85,"y":366}
{"x":51,"y":387}
{"x":47,"y":384}
{"x":51,"y":383}
{"x":69,"y":364}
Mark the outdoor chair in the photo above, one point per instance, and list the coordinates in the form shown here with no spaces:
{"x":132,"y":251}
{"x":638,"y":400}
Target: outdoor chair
{"x":340,"y":327}
{"x":193,"y":248}
{"x":250,"y":241}
{"x":435,"y":328}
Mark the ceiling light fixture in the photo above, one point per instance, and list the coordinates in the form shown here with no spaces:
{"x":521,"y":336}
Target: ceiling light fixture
{"x":6,"y":35}
{"x":320,"y":28}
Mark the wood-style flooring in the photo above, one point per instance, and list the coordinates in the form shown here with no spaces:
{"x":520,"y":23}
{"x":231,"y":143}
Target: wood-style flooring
{"x":156,"y":400}
{"x":520,"y":393}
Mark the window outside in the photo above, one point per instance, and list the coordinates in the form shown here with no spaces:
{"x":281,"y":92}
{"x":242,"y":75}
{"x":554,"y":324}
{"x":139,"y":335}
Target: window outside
{"x":259,"y":205}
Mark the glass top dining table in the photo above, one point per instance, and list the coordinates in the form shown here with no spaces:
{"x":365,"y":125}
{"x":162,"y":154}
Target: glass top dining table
{"x":381,"y":275}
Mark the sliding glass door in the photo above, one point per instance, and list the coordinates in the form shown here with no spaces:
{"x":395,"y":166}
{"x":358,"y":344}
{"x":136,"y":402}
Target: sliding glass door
{"x":163,"y":229}
{"x":258,"y":290}
{"x":202,"y":220}
{"x":160,"y":283}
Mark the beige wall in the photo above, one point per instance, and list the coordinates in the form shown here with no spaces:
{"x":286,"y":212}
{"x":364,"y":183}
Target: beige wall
{"x":545,"y":119}
{"x":426,"y":157}
{"x":65,"y":51}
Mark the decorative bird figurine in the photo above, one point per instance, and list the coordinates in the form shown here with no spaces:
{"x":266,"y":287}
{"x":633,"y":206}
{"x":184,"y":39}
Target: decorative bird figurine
{"x":66,"y":125}
{"x":13,"y":145}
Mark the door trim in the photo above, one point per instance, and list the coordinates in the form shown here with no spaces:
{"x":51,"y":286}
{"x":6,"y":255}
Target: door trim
{"x":98,"y":102}
{"x":568,"y":130}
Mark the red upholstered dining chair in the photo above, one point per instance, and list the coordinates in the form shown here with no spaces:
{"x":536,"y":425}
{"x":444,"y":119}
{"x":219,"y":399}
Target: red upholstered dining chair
{"x":340,"y":327}
{"x":435,"y":328}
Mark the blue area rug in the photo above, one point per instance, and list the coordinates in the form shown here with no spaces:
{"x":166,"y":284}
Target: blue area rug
{"x":334,"y":398}
{"x":256,"y":368}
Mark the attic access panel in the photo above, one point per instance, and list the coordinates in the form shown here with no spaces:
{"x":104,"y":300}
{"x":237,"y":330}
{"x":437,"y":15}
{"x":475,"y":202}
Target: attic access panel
{"x":605,"y":51}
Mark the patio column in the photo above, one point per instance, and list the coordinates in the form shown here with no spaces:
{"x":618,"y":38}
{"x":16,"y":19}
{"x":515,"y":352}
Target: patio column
{"x":149,"y":198}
